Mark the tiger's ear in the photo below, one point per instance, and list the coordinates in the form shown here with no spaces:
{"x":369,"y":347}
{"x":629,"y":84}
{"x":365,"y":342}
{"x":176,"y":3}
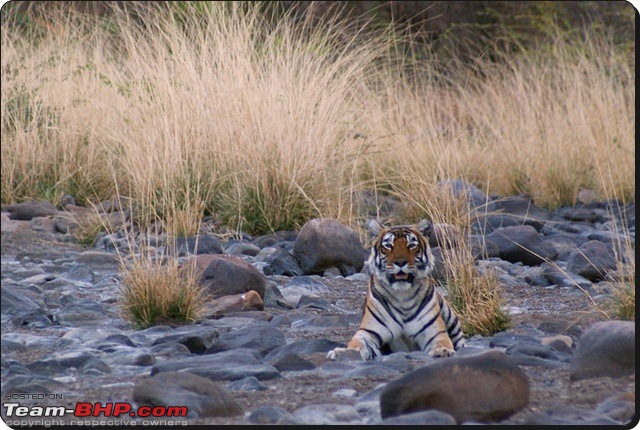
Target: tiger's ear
{"x":425,"y":227}
{"x":375,"y":227}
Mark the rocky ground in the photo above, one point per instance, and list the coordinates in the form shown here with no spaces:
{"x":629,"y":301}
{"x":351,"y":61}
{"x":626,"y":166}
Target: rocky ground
{"x":64,"y":335}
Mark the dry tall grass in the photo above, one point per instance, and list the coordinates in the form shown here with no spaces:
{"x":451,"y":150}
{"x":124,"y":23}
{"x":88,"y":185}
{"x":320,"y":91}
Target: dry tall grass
{"x":216,"y":109}
{"x":546,"y":122}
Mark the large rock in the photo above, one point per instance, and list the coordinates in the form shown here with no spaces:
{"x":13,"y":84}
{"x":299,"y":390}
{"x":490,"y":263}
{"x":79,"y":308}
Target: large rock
{"x":28,"y":210}
{"x":483,"y":387}
{"x":278,"y":262}
{"x":608,"y":348}
{"x":222,"y":366}
{"x":226,"y":275}
{"x":18,"y":300}
{"x":324,"y":243}
{"x":510,"y":211}
{"x":83,"y":313}
{"x":200,"y":395}
{"x":523,"y":244}
{"x":261,"y":338}
{"x":593,"y":260}
{"x":98,"y":259}
{"x":199,"y":244}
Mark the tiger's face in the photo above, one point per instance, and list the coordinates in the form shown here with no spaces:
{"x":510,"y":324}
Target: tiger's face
{"x":401,"y":255}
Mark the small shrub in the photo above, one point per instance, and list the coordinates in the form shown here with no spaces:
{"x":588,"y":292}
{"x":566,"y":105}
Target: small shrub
{"x":624,"y":301}
{"x":475,"y":297}
{"x":624,"y":294}
{"x":155,"y":293}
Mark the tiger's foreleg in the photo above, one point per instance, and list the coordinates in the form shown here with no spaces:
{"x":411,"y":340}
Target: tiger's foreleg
{"x":367,"y":343}
{"x":436,"y":341}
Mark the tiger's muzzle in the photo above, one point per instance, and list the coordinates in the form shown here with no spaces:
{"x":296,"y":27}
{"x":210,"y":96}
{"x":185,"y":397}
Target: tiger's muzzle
{"x":401,"y":271}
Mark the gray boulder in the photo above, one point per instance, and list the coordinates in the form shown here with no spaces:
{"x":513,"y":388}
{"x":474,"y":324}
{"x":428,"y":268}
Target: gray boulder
{"x":272,"y":415}
{"x":292,"y":362}
{"x":278,"y":262}
{"x":242,"y":248}
{"x":260,"y":337}
{"x":98,"y":259}
{"x":482,"y":387}
{"x":83,"y":313}
{"x":28,"y":210}
{"x":608,"y":348}
{"x":593,"y":260}
{"x":200,"y":395}
{"x":198,"y":244}
{"x":510,"y":211}
{"x":324,"y":243}
{"x":223,"y":366}
{"x":482,"y":248}
{"x":18,"y":300}
{"x":226,"y":275}
{"x":522,"y":244}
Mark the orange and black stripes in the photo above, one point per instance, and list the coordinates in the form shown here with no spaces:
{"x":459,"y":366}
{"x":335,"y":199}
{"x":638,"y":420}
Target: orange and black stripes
{"x":401,"y":303}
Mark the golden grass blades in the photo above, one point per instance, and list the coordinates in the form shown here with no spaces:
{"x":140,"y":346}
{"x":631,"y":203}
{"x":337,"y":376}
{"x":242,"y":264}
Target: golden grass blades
{"x":155,"y":292}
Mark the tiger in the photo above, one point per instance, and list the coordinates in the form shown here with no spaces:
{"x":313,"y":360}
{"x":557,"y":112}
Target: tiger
{"x":402,"y":310}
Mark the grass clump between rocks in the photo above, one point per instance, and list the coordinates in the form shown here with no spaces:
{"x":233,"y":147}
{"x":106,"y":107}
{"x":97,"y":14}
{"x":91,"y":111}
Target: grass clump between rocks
{"x":624,"y":298}
{"x":475,"y":297}
{"x":624,"y":286}
{"x":155,"y":293}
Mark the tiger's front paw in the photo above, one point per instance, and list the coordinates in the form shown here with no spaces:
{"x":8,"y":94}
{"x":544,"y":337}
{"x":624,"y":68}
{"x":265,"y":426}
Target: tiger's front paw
{"x":441,"y":352}
{"x":345,"y":354}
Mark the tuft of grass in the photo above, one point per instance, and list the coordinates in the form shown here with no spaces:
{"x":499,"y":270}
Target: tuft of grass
{"x":155,"y":293}
{"x":624,"y":282}
{"x":155,"y":288}
{"x":624,"y":300}
{"x":475,"y":297}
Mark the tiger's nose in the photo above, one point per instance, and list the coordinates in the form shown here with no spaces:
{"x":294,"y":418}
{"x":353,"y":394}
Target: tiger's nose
{"x":400,"y":263}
